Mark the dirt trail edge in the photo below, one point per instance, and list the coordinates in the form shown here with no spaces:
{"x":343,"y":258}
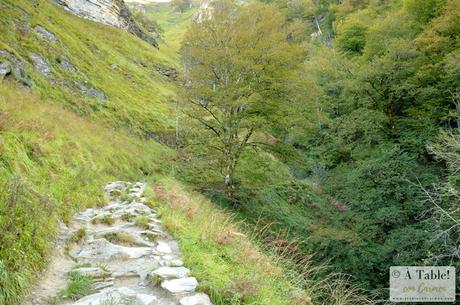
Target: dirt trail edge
{"x":128,"y":255}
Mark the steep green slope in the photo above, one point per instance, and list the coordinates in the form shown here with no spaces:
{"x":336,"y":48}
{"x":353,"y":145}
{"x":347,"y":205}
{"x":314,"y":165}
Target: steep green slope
{"x":106,"y":59}
{"x":56,"y":145}
{"x":52,"y":163}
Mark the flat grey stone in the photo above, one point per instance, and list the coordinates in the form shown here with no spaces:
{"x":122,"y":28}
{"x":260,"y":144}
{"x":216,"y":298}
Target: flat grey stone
{"x":175,"y":263}
{"x":121,"y":295}
{"x":94,"y":272}
{"x":102,"y":285}
{"x":163,"y":247}
{"x":182,"y":285}
{"x":196,"y":299}
{"x":102,"y":250}
{"x":172,"y":272}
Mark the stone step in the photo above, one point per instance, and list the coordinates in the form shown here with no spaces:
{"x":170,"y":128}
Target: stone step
{"x":171,"y":272}
{"x":182,"y":285}
{"x":196,"y":299}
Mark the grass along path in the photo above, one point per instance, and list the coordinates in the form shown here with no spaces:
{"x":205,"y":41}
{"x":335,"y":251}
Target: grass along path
{"x":117,"y":254}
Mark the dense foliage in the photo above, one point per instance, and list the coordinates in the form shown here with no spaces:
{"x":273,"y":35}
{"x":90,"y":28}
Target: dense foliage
{"x":380,"y":82}
{"x":239,"y":70}
{"x":387,"y":89}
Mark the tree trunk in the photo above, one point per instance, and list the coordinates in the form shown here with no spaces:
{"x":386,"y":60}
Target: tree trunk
{"x":230,"y":175}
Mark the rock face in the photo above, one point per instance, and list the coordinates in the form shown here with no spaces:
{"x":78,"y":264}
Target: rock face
{"x":204,"y":12}
{"x":128,"y":263}
{"x":110,"y":12}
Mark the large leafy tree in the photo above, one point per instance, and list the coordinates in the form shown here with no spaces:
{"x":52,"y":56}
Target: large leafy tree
{"x":240,"y":79}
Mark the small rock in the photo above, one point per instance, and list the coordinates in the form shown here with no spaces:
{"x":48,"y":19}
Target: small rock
{"x":102,"y":285}
{"x":172,"y":272}
{"x":95,"y":93}
{"x":169,"y":72}
{"x":175,"y":263}
{"x":44,"y":33}
{"x":66,"y":65}
{"x":196,"y":299}
{"x":146,"y":299}
{"x":182,"y":285}
{"x":18,"y":69}
{"x":5,"y":69}
{"x":163,"y":247}
{"x":41,"y":65}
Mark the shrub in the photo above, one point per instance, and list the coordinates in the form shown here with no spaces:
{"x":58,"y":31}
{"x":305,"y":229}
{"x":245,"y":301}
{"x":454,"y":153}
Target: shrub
{"x":78,"y":235}
{"x":142,"y":221}
{"x":79,"y":285}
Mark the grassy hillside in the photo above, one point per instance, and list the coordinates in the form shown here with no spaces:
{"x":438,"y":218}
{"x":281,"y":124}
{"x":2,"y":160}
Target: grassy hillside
{"x":105,"y":58}
{"x":52,"y":163}
{"x":58,"y":145}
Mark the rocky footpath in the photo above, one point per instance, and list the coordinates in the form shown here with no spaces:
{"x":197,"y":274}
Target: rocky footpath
{"x":126,"y":253}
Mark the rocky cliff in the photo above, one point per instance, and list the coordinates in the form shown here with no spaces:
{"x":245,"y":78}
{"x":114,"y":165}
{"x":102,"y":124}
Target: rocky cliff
{"x":111,"y":12}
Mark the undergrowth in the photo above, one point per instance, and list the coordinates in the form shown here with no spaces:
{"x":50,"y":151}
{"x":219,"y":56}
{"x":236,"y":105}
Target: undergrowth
{"x":237,"y":266}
